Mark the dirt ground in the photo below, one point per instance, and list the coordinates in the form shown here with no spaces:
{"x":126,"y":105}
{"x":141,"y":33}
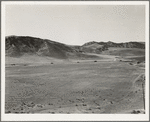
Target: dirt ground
{"x":74,"y":87}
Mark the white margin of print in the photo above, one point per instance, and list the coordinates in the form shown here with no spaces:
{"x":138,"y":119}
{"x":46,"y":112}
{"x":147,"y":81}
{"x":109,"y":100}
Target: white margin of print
{"x":72,"y":117}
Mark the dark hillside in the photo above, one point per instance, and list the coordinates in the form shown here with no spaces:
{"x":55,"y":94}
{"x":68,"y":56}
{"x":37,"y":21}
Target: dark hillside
{"x":17,"y":46}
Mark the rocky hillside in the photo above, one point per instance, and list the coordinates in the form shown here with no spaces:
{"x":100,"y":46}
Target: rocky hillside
{"x":20,"y":45}
{"x":93,"y":47}
{"x":121,"y":45}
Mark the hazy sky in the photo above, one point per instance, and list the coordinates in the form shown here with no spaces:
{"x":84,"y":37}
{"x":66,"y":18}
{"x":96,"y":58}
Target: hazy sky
{"x":77,"y":24}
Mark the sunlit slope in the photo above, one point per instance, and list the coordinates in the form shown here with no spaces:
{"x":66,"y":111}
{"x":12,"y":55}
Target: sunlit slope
{"x":125,"y":51}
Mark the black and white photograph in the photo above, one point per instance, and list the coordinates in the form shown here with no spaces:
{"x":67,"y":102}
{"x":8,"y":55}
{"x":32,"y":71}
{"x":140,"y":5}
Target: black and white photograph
{"x":74,"y":60}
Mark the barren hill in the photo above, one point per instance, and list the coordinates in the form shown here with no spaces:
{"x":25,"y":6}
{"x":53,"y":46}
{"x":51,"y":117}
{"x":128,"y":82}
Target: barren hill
{"x":98,"y":47}
{"x":121,"y":45}
{"x":17,"y":46}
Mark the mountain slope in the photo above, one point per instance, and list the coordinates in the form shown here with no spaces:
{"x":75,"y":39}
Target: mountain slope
{"x":99,"y":47}
{"x":93,"y":47}
{"x":121,"y":45}
{"x":17,"y":46}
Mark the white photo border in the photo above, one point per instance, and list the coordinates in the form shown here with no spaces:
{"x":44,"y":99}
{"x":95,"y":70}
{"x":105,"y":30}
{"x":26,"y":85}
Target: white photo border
{"x":73,"y":117}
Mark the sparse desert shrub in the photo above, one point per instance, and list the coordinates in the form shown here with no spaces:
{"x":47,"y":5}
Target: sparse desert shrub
{"x":8,"y":111}
{"x":133,"y":112}
{"x":13,"y":64}
{"x":51,"y":62}
{"x":77,"y":62}
{"x":136,"y":112}
{"x":39,"y":105}
{"x":23,"y":103}
{"x":138,"y":62}
{"x":98,"y":107}
{"x":31,"y":103}
{"x":111,"y":102}
{"x":95,"y":61}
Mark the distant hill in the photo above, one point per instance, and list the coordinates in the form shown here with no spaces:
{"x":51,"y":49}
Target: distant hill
{"x":17,"y":46}
{"x":108,"y":44}
{"x":98,"y":47}
{"x":93,"y":47}
{"x":124,"y":51}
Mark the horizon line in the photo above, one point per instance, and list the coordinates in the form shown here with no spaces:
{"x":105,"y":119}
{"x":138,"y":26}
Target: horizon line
{"x":73,"y":44}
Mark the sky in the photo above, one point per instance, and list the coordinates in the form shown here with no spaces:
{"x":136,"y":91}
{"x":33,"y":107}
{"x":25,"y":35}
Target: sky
{"x":77,"y":24}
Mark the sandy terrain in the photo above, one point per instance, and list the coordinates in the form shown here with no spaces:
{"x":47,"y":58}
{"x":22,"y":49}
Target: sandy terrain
{"x":74,"y":87}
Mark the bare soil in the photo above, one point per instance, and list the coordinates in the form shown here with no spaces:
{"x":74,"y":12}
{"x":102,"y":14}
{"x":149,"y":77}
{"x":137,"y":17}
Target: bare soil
{"x":74,"y":87}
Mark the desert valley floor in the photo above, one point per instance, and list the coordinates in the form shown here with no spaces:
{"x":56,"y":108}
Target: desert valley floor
{"x":74,"y":86}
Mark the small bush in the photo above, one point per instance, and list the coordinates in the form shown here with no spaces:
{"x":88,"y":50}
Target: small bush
{"x":8,"y":111}
{"x":84,"y":105}
{"x":111,"y":102}
{"x":136,"y":112}
{"x":13,"y":64}
{"x":138,"y":62}
{"x":95,"y":61}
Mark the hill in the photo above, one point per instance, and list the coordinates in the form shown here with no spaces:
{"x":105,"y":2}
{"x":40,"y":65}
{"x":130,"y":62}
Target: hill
{"x":17,"y":46}
{"x":124,"y":51}
{"x":93,"y":47}
{"x":99,"y":47}
{"x":108,"y":44}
